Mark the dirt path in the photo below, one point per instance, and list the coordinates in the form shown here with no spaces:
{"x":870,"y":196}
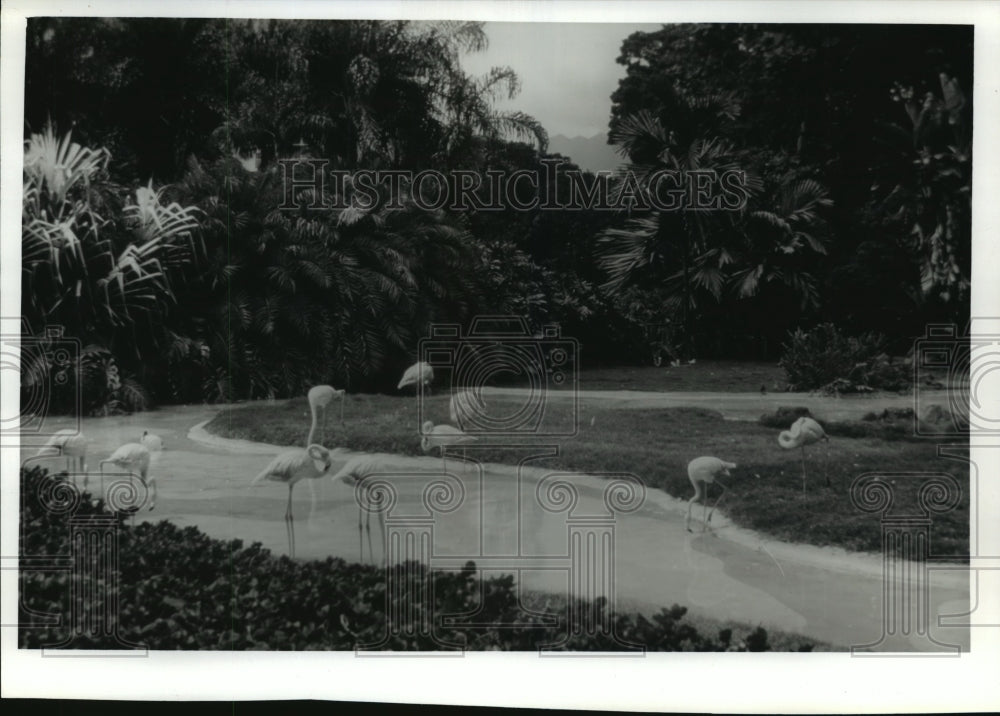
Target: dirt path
{"x":499,"y":518}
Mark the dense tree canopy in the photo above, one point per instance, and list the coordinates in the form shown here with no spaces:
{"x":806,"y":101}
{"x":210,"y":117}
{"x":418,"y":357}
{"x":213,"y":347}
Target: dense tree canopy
{"x":878,"y":116}
{"x":854,"y":144}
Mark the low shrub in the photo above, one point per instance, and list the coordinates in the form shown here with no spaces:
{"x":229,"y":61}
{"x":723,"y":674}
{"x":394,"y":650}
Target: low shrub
{"x":177,"y":588}
{"x":784,"y":416}
{"x":889,"y":414}
{"x":825,"y":359}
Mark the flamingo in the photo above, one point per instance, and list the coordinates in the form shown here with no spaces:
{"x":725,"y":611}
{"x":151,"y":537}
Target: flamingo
{"x":320,"y":397}
{"x":70,"y":444}
{"x":464,"y":403}
{"x":290,"y":467}
{"x":135,"y":458}
{"x":804,"y":431}
{"x":417,"y":374}
{"x":153,"y":443}
{"x":703,"y":471}
{"x":353,"y":472}
{"x":442,"y":436}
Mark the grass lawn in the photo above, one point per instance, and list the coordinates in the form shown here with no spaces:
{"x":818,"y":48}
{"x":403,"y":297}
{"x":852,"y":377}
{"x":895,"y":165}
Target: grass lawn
{"x":712,"y":376}
{"x":765,"y":491}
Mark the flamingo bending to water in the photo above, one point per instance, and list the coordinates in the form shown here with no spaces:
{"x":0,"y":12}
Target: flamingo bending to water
{"x":804,"y":431}
{"x":353,"y":472}
{"x":703,"y":471}
{"x":135,"y":458}
{"x":290,"y":467}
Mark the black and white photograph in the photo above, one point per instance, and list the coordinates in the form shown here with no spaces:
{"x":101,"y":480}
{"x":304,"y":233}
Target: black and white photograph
{"x":346,"y":343}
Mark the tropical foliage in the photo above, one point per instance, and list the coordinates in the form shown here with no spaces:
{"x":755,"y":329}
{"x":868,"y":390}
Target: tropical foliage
{"x":881,"y":204}
{"x":826,"y":359}
{"x":153,"y":226}
{"x":291,"y":298}
{"x":100,"y":261}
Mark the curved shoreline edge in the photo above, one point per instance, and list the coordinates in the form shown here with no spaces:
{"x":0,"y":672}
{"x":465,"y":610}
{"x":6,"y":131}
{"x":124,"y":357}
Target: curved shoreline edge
{"x":954,"y":575}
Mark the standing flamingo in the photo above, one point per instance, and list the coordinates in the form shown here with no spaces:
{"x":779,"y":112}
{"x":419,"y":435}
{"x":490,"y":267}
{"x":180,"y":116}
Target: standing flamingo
{"x":442,"y":436}
{"x":703,"y":471}
{"x":320,"y":397}
{"x":290,"y":467}
{"x":353,"y":472}
{"x":804,"y":431}
{"x":417,"y":374}
{"x":135,"y":458}
{"x":70,"y":444}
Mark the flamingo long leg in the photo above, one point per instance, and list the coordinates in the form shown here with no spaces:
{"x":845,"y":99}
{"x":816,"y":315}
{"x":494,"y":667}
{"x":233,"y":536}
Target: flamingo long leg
{"x":83,"y":469}
{"x":381,"y":522}
{"x":323,"y":442}
{"x":803,"y":449}
{"x":361,"y":542}
{"x":312,"y":499}
{"x":131,"y":484}
{"x":698,"y":487}
{"x":368,"y":531}
{"x":290,"y":524}
{"x":102,"y":478}
{"x":718,"y":500}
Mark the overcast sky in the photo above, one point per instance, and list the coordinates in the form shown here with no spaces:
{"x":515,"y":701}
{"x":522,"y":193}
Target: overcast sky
{"x":567,"y":70}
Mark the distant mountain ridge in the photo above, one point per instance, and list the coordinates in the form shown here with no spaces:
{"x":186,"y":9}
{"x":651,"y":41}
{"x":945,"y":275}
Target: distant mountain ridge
{"x":593,"y":153}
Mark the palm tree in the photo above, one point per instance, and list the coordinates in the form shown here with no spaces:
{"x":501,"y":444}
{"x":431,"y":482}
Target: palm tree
{"x":657,"y":243}
{"x":775,"y":244}
{"x":366,"y":93}
{"x":696,"y":254}
{"x":292,"y":298}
